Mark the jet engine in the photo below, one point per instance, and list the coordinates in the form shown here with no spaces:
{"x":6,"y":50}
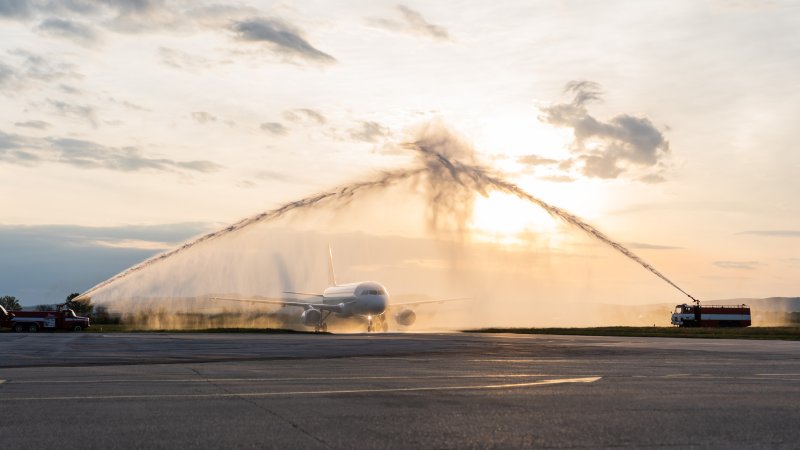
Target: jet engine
{"x":346,"y":309}
{"x":405,"y":317}
{"x":311,"y":317}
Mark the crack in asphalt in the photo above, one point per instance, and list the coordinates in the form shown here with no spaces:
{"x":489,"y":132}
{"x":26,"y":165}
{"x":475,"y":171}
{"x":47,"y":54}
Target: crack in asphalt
{"x":263,"y":408}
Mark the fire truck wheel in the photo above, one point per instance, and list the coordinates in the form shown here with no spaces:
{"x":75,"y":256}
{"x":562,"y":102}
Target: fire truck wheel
{"x":77,"y":328}
{"x":33,"y":328}
{"x":19,"y":328}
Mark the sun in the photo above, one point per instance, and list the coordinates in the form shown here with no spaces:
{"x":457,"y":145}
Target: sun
{"x":505,"y":219}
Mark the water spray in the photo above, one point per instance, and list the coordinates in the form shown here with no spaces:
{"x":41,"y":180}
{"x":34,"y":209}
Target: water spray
{"x":440,"y":163}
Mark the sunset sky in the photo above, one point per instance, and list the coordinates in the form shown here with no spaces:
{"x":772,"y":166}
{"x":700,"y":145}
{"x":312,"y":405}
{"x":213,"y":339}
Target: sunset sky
{"x":127,"y":127}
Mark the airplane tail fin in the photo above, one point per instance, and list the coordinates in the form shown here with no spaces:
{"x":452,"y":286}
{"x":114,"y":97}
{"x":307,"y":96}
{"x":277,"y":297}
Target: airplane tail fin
{"x":331,"y":273}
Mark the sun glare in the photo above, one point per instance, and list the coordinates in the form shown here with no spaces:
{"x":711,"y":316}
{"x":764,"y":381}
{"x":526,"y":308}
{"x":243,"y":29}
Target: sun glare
{"x":505,"y":219}
{"x":515,"y":136}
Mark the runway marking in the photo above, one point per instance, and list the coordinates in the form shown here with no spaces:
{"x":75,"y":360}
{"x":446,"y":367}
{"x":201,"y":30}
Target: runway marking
{"x":524,"y":360}
{"x":325,"y":392}
{"x":222,"y":380}
{"x":777,"y":374}
{"x":2,"y":381}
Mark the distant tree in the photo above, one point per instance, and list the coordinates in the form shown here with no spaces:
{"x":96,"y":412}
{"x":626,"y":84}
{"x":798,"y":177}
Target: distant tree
{"x":81,"y":307}
{"x":44,"y":307}
{"x":10,"y":303}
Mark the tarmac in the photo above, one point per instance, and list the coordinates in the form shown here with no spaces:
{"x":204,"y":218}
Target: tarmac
{"x":395,"y":390}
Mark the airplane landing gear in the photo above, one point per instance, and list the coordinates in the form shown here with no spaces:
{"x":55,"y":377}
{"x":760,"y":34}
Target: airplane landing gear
{"x":372,"y":326}
{"x":384,"y":324}
{"x":322,"y":325}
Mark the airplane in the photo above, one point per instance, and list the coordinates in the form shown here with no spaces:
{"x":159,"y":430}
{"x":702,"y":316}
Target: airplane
{"x":363,"y":299}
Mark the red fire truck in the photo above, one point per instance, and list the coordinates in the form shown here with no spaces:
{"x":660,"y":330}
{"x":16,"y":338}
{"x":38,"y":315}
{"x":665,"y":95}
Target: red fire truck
{"x":711,"y":315}
{"x":62,"y":318}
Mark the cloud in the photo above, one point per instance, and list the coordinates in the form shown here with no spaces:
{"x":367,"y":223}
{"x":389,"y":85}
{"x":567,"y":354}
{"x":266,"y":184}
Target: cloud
{"x":84,"y":112}
{"x":128,"y":105}
{"x":738,"y":265}
{"x":218,"y":15}
{"x":14,"y":149}
{"x":7,"y":74}
{"x":624,"y":145}
{"x":653,"y":178}
{"x":67,"y":89}
{"x":368,"y":131}
{"x":304,"y":115}
{"x":280,"y":36}
{"x":182,"y":60}
{"x":135,"y":16}
{"x":74,"y":31}
{"x":37,"y":124}
{"x":15,"y":9}
{"x":536,"y":160}
{"x":411,"y":22}
{"x":88,"y":154}
{"x":275,"y":128}
{"x":127,"y":16}
{"x":270,"y":175}
{"x":42,"y":68}
{"x":23,"y":150}
{"x":203,"y":117}
{"x":29,"y":69}
{"x":558,"y":178}
{"x":773,"y":233}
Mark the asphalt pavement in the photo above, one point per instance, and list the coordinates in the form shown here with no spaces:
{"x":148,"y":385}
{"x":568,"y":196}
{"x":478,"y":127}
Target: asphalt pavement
{"x":449,"y":390}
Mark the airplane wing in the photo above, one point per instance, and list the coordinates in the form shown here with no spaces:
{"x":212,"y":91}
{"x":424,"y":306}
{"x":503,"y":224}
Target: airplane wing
{"x":310,"y":294}
{"x":423,"y":302}
{"x":282,"y":302}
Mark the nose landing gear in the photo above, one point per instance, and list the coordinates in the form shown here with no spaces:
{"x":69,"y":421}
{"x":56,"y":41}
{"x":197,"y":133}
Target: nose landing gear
{"x":383,"y":324}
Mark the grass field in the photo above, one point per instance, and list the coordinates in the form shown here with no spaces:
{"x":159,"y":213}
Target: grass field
{"x":780,"y":333}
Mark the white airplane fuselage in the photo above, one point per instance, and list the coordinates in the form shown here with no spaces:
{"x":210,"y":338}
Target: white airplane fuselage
{"x":366,"y":298}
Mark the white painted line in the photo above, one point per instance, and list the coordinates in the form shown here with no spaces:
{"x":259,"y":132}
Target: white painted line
{"x":777,"y":374}
{"x":298,"y":393}
{"x":226,"y":380}
{"x":524,"y":360}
